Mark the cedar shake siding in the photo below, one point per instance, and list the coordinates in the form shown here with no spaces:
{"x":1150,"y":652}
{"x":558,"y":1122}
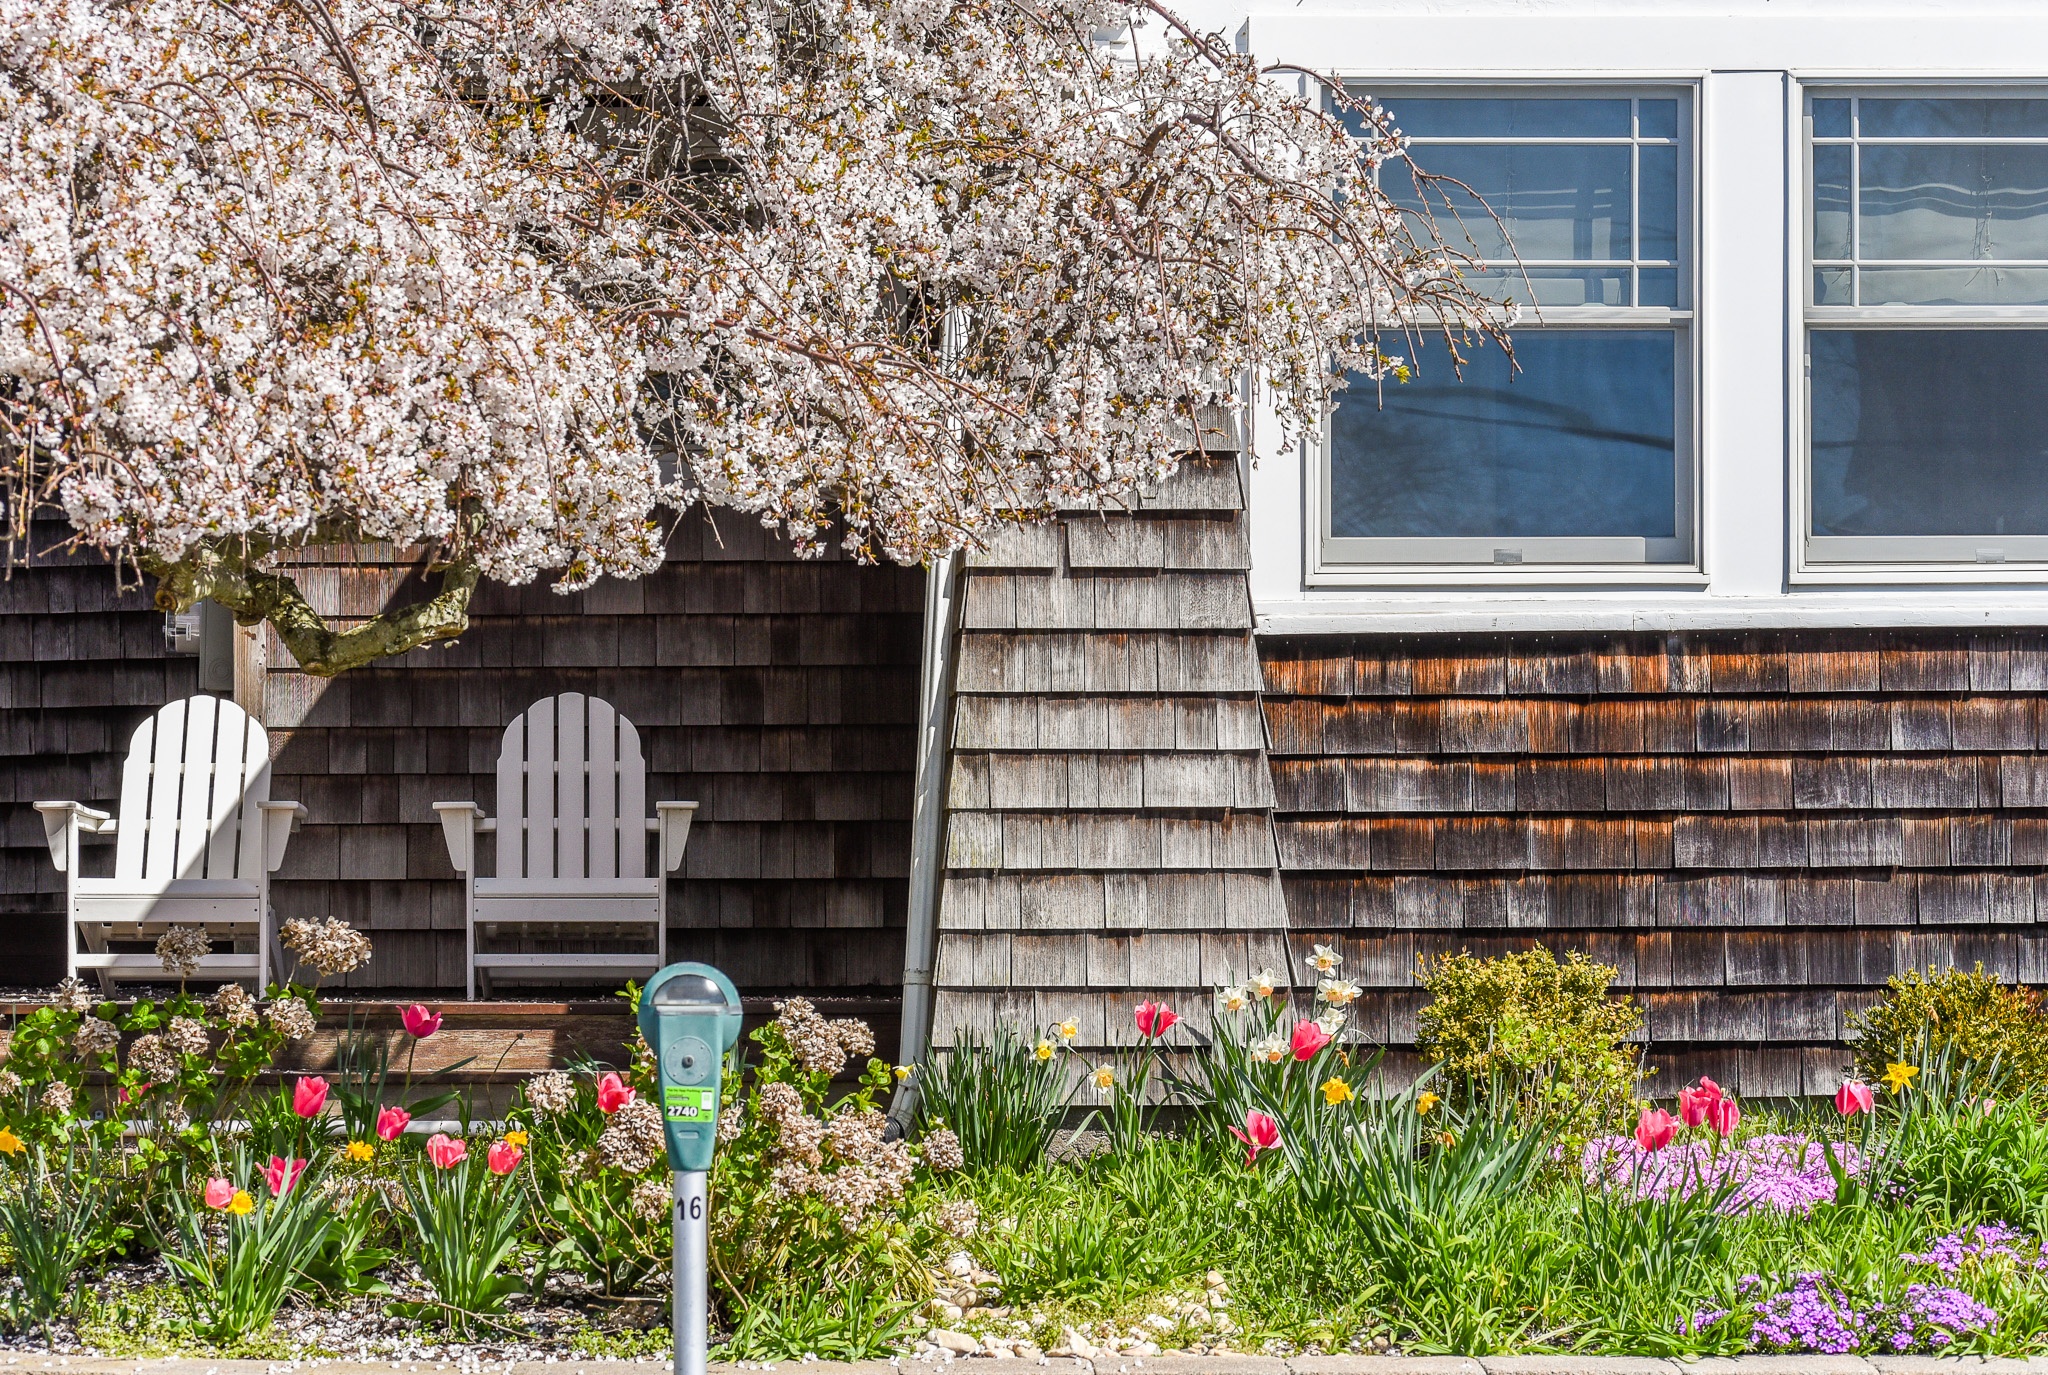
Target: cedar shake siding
{"x":778,"y":693}
{"x":1109,"y":834}
{"x":82,"y":664}
{"x":1756,"y":830}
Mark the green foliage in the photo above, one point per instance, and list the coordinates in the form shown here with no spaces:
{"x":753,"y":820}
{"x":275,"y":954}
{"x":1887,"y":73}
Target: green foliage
{"x":236,"y":1270}
{"x":585,"y":1218}
{"x":1970,"y":1014}
{"x":465,"y":1226}
{"x":1964,"y":1151}
{"x":1543,"y":1031}
{"x":1249,"y":1067}
{"x":50,"y":1214}
{"x":851,"y":1322}
{"x":1002,"y":1096}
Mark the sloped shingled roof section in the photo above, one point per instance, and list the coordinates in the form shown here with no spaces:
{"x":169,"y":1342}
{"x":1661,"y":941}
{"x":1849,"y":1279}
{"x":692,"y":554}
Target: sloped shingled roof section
{"x":1109,"y":833}
{"x":1756,"y":831}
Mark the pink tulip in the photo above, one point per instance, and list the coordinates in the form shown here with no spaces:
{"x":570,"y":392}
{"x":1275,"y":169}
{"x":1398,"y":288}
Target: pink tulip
{"x":1723,"y":1116}
{"x":1308,"y":1038}
{"x":420,"y":1022}
{"x":1155,"y":1019}
{"x":309,"y":1096}
{"x":503,"y":1157}
{"x":282,"y":1174}
{"x":1693,"y":1104}
{"x":1261,"y":1133}
{"x":391,"y":1123}
{"x":445,"y":1150}
{"x":612,"y":1093}
{"x":1853,"y":1097}
{"x":1655,"y":1128}
{"x":219,"y":1194}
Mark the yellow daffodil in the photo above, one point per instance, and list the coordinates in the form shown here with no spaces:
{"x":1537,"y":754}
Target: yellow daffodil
{"x":1068,"y":1029}
{"x":1897,"y":1076}
{"x":515,"y":1137}
{"x":361,"y":1150}
{"x":241,"y":1205}
{"x":1336,"y":1091}
{"x":903,"y":1072}
{"x":10,"y":1144}
{"x":1447,"y":1138}
{"x":1424,"y":1102}
{"x":1105,"y":1078}
{"x":1043,"y":1050}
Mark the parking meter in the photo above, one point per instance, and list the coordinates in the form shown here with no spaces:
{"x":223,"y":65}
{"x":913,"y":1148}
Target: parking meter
{"x":690,"y":1015}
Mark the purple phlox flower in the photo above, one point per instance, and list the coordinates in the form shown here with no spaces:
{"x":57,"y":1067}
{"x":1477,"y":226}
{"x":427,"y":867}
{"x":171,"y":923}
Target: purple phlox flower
{"x":1987,"y":1241}
{"x":1813,"y":1315}
{"x":1935,"y":1315}
{"x":1781,"y":1173}
{"x":1700,"y":1321}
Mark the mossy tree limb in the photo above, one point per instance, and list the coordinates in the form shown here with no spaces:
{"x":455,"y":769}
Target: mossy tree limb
{"x":255,"y":595}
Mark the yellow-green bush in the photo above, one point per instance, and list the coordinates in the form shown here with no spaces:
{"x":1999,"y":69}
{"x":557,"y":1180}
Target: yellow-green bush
{"x":1545,"y":1030}
{"x":1971,"y":1014}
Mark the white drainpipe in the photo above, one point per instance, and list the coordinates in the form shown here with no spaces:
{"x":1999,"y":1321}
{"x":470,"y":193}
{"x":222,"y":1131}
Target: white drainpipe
{"x":927,"y":827}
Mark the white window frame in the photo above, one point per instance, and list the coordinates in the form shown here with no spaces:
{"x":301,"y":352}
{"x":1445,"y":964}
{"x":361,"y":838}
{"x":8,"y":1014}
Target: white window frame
{"x":1340,"y":560}
{"x":1910,"y":558}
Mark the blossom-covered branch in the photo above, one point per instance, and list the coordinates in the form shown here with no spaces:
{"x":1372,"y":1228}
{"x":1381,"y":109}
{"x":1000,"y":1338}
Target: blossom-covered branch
{"x":461,"y":274}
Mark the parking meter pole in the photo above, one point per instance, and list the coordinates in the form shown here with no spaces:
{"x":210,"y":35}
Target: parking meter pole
{"x":691,"y":1318}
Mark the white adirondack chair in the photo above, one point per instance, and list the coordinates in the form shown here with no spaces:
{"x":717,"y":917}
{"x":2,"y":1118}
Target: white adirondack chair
{"x":572,"y":829}
{"x":195,"y":844}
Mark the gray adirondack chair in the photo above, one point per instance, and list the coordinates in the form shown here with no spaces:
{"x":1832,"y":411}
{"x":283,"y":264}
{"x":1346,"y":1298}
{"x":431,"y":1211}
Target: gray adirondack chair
{"x":196,"y":840}
{"x":572,"y":839}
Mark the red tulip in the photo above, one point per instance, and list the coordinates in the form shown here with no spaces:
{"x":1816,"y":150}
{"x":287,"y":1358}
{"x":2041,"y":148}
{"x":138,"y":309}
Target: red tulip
{"x":503,"y":1157}
{"x":1307,"y":1040}
{"x":1655,"y":1128}
{"x":1853,"y":1097}
{"x":219,"y":1194}
{"x":445,"y":1150}
{"x":613,"y":1094}
{"x":1723,"y":1115}
{"x":420,"y":1022}
{"x":282,"y":1174}
{"x":391,"y":1123}
{"x":1693,"y":1104}
{"x":1261,"y":1133}
{"x":309,"y":1096}
{"x":1155,"y":1019}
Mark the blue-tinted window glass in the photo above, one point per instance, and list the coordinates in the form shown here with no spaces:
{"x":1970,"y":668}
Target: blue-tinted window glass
{"x":1657,"y":204}
{"x":1486,"y":117}
{"x":1831,"y":233}
{"x":1657,"y":286}
{"x":1831,"y":118}
{"x":1657,"y":118}
{"x":1955,"y":201}
{"x":1930,"y":432}
{"x":1556,"y":201}
{"x":1944,"y":118}
{"x":1578,"y":443}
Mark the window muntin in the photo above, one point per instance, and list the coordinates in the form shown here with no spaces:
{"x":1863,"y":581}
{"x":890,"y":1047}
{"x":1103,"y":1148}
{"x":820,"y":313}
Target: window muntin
{"x":1581,"y":455}
{"x":1927,"y":328}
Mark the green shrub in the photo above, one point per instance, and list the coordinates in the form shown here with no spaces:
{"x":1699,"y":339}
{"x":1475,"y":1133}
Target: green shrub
{"x":1970,"y":1015}
{"x":1547,"y":1031}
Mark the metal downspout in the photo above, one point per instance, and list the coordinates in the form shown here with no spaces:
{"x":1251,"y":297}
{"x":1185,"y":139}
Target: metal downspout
{"x":927,"y":829}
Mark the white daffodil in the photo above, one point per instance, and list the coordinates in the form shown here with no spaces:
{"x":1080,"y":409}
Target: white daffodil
{"x":1325,"y":959}
{"x":1337,"y":992}
{"x":1234,"y":999}
{"x":1272,"y":1050}
{"x":1331,"y":1021}
{"x":1264,"y":984}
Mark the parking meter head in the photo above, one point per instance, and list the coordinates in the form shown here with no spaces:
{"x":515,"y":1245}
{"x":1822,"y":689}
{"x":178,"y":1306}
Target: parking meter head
{"x":690,"y":1015}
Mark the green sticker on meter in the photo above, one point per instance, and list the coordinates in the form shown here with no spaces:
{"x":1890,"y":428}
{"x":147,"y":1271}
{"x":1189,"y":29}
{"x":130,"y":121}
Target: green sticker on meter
{"x":688,"y":1104}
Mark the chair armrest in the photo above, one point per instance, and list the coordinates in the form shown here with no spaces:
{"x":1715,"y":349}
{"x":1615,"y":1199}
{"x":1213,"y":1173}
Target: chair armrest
{"x":674,"y":825}
{"x":61,"y":818}
{"x":280,"y":823}
{"x":460,"y":821}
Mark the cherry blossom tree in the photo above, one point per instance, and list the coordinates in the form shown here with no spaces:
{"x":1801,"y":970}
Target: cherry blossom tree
{"x":506,"y":278}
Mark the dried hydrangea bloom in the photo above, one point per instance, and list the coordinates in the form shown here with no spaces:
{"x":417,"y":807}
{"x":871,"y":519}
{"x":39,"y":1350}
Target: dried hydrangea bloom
{"x":95,"y":1036}
{"x":233,"y":1005}
{"x":173,"y":1118}
{"x":292,"y":1018}
{"x":634,"y":1138}
{"x":650,"y":1199}
{"x":942,"y":1150}
{"x":821,"y":1046}
{"x":732,"y":1119}
{"x":74,"y":996}
{"x":959,"y":1218}
{"x":57,"y":1097}
{"x":152,"y":1059}
{"x":551,"y":1093}
{"x":10,"y":1084}
{"x":331,"y":946}
{"x":187,"y":1036}
{"x":180,"y":949}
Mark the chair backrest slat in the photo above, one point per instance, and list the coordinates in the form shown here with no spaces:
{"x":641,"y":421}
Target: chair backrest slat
{"x":194,"y":773}
{"x":572,"y":793}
